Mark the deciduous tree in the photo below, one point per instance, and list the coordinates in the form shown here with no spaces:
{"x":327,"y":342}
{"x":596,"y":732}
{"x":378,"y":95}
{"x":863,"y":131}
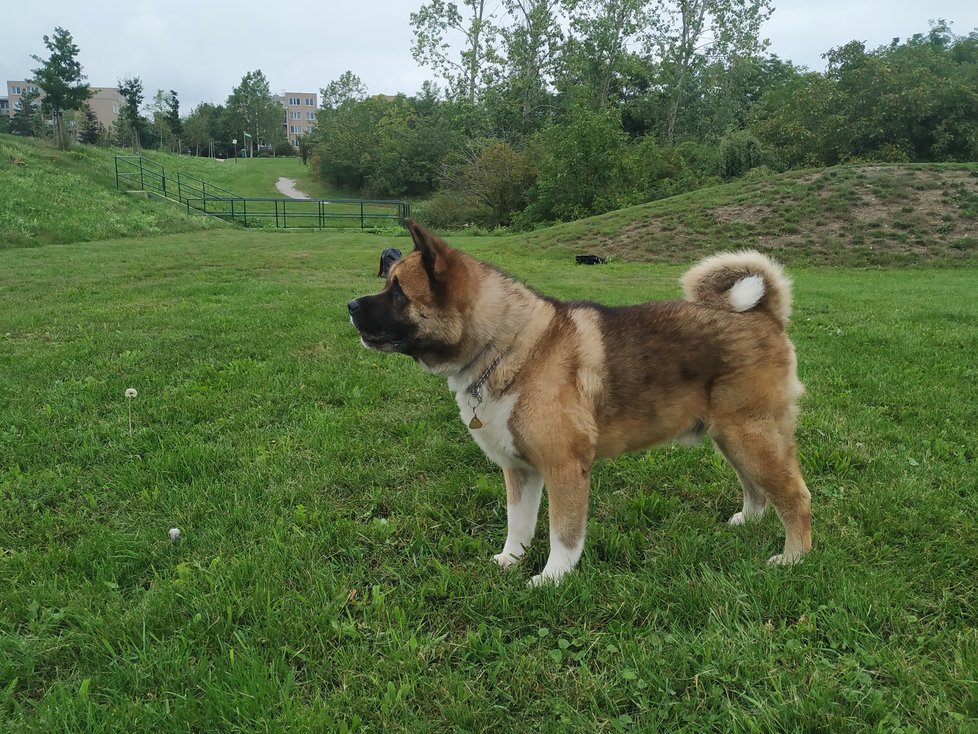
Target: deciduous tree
{"x":468,"y":70}
{"x":254,"y":111}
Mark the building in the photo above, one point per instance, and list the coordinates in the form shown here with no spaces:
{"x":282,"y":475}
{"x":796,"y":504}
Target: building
{"x":106,"y":102}
{"x":300,"y":113}
{"x":5,"y":106}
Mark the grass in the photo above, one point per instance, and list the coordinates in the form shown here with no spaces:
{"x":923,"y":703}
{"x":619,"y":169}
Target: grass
{"x":855,"y":216}
{"x":56,"y":197}
{"x":51,"y":196}
{"x":334,"y":571}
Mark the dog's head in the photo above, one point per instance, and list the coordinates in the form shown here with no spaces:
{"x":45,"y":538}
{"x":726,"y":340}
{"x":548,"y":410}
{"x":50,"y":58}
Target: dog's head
{"x":421,"y":309}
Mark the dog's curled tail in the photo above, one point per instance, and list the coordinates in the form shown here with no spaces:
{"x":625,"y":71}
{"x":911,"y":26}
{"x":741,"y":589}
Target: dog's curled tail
{"x":740,"y":281}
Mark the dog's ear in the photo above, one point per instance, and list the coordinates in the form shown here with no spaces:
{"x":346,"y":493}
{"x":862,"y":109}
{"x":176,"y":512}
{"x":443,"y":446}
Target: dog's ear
{"x":435,"y":252}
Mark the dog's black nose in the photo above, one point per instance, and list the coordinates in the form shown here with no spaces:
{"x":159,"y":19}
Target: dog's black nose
{"x":354,"y":305}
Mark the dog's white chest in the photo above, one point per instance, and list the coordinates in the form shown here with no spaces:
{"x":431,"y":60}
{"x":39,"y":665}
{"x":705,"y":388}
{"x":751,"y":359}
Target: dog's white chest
{"x":494,"y":437}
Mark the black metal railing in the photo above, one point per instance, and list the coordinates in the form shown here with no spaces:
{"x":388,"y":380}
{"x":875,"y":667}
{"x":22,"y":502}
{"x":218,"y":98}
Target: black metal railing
{"x":137,"y":172}
{"x":258,"y":211}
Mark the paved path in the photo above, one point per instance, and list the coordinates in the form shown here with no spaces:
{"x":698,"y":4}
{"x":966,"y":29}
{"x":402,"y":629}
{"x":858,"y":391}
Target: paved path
{"x":287,"y":187}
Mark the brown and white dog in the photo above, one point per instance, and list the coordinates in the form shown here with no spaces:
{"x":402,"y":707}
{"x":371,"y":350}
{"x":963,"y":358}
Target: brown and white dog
{"x":547,"y":387}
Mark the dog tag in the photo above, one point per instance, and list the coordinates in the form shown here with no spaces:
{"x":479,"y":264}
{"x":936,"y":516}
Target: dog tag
{"x":475,"y":422}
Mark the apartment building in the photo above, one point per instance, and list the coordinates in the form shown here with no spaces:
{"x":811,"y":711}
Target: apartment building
{"x":300,"y":113}
{"x":106,"y":102}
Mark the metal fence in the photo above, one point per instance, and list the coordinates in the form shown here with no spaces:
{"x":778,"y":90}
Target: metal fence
{"x":139,"y":173}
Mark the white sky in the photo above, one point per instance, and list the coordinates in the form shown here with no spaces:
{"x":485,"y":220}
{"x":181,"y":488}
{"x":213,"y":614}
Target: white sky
{"x":202,"y":49}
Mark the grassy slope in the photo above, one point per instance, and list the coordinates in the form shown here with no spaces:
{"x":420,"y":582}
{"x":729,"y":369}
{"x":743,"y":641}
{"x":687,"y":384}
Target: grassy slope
{"x":338,"y":522}
{"x":50,"y":196}
{"x":846,"y":215}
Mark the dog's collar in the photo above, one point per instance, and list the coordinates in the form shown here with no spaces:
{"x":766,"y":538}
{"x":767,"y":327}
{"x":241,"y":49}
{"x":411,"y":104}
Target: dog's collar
{"x":475,"y":389}
{"x":475,"y":392}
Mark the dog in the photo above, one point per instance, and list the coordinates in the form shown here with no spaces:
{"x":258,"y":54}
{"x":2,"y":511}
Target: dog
{"x":548,"y":387}
{"x":387,"y":258}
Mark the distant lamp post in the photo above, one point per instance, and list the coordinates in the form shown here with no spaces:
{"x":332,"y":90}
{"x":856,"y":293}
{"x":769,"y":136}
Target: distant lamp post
{"x":234,"y":142}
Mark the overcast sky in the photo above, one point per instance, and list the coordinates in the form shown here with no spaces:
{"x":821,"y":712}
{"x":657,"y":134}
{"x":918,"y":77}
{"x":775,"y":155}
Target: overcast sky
{"x":203,"y":49}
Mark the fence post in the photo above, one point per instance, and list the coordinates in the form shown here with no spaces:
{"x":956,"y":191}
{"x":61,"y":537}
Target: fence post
{"x":361,"y":215}
{"x":142,"y":183}
{"x":276,"y":213}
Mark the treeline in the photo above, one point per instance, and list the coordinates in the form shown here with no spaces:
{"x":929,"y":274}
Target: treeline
{"x":209,"y":128}
{"x":250,"y":114}
{"x":633,"y":101}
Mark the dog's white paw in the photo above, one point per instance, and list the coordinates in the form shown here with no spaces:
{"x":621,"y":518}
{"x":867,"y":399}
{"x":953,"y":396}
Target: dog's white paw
{"x":546,"y":578}
{"x":738,"y":518}
{"x":505,"y":560}
{"x":784,"y":559}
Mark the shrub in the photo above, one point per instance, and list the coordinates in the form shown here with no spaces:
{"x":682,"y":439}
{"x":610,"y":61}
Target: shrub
{"x":740,"y":151}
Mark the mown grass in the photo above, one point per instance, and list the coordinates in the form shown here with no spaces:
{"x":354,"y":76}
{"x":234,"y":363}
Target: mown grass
{"x":334,"y":572}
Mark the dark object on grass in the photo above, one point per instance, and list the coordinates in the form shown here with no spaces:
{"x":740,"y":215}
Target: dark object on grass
{"x":590,"y":260}
{"x":387,"y":258}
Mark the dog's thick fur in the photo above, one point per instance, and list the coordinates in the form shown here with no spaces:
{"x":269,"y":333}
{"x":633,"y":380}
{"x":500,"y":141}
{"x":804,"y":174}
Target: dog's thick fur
{"x":557,"y":385}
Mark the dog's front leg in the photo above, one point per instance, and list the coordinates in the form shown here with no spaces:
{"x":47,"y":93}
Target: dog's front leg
{"x":567,"y":498}
{"x":523,"y":491}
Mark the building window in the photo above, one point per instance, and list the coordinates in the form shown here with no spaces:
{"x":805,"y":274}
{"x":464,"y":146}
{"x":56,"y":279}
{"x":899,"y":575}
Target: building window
{"x":310,"y":115}
{"x":310,"y":102}
{"x":15,"y":90}
{"x":293,"y":101}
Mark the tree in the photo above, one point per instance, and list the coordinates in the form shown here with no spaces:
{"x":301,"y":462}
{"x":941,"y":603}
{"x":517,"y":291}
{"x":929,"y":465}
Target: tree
{"x":254,"y":111}
{"x":477,"y":62}
{"x":348,"y":88}
{"x":165,"y":109}
{"x":131,"y":127}
{"x":602,"y":34}
{"x":60,"y":77}
{"x":172,"y":115}
{"x":689,"y":34}
{"x":91,"y":131}
{"x":531,"y":44}
{"x":27,"y":118}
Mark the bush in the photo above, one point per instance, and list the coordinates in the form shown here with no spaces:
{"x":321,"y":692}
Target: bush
{"x":740,"y":151}
{"x":583,"y":168}
{"x":667,"y":171}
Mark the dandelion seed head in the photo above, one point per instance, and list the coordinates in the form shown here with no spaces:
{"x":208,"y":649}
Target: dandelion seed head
{"x":131,"y":392}
{"x":174,"y":535}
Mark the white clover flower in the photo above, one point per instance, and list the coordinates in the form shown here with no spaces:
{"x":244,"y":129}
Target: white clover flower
{"x":174,"y":535}
{"x":131,"y":392}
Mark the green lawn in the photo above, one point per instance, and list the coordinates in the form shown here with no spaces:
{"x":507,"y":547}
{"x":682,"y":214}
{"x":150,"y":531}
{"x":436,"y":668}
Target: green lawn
{"x":337,"y":522}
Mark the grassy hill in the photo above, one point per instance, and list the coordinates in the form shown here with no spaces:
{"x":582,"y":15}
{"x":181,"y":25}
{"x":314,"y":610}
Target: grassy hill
{"x":52,"y":196}
{"x":876,"y":215}
{"x":845,"y":215}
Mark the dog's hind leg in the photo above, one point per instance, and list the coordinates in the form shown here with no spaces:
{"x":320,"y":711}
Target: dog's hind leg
{"x":754,"y":500}
{"x":523,"y":491}
{"x":768,"y":459}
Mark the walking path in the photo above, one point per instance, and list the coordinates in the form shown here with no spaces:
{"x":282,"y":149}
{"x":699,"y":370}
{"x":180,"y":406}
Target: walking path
{"x":287,"y":187}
